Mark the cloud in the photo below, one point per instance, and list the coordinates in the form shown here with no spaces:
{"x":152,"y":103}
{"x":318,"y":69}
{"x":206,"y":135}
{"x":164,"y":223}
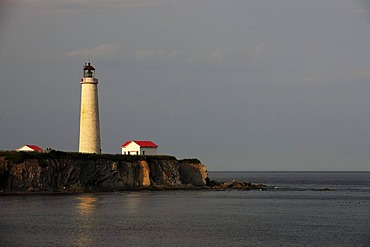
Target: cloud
{"x":359,"y":13}
{"x":6,"y":3}
{"x":214,"y":56}
{"x":259,"y":48}
{"x":313,"y":78}
{"x":361,"y":73}
{"x":76,"y":5}
{"x":327,"y":77}
{"x":144,"y":54}
{"x":100,"y":51}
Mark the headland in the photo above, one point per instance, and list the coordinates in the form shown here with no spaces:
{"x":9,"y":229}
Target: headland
{"x":65,"y":172}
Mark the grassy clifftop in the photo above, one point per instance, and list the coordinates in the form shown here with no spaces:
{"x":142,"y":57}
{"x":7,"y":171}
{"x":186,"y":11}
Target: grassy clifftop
{"x":19,"y":157}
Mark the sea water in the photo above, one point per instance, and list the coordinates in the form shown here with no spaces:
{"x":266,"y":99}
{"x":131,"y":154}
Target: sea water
{"x":293,"y":211}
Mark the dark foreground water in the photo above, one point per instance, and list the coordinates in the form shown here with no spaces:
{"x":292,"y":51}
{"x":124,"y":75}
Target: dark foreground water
{"x":292,"y":212}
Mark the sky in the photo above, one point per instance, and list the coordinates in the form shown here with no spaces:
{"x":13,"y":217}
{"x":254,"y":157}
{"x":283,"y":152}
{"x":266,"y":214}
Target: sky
{"x":242,"y":85}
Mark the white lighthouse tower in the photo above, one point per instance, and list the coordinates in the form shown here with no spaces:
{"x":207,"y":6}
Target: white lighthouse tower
{"x":89,"y":115}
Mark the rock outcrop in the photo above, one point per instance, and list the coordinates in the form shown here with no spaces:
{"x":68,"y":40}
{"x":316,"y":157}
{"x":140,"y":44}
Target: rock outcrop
{"x":75,"y":172}
{"x":193,"y":172}
{"x":235,"y":185}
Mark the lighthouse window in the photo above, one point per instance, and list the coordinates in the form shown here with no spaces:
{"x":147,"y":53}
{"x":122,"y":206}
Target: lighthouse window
{"x":88,"y":73}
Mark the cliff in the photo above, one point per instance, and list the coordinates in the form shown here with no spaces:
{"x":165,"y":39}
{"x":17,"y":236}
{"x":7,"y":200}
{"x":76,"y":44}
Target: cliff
{"x":74,"y":172}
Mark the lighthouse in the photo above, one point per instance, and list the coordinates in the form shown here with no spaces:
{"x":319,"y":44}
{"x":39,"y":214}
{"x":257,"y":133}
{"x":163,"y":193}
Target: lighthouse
{"x":89,"y":115}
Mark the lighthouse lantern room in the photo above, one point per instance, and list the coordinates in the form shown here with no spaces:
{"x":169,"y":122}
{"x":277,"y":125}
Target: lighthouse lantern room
{"x":89,"y":71}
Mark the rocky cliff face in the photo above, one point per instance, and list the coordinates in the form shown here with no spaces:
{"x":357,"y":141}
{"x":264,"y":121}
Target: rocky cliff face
{"x":72,"y":172}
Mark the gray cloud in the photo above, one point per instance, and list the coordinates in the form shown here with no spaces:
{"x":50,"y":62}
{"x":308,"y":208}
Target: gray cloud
{"x":98,"y":52}
{"x":48,"y":6}
{"x":208,"y":57}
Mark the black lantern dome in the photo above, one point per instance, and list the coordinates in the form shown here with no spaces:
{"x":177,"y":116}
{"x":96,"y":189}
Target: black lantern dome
{"x":89,"y":71}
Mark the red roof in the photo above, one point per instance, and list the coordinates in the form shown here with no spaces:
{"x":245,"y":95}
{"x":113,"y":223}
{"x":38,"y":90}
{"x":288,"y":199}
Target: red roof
{"x":144,"y":144}
{"x":34,"y":147}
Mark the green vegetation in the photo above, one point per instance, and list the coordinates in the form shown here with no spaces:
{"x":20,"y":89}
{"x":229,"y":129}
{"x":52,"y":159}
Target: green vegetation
{"x":193,"y":160}
{"x":19,"y":157}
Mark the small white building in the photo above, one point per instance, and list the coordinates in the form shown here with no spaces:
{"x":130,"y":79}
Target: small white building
{"x":139,"y":148}
{"x":29,"y":148}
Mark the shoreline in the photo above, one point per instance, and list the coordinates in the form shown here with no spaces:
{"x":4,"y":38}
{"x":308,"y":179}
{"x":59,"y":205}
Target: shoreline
{"x":219,"y":186}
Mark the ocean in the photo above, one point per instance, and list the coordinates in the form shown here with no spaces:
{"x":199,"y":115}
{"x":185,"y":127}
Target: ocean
{"x":296,"y":209}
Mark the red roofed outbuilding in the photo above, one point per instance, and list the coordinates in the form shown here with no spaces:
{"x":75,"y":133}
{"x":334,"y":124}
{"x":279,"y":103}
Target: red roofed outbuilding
{"x":135,"y":147}
{"x":29,"y":148}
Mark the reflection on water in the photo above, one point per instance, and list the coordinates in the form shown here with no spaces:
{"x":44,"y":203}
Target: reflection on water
{"x":132,"y":202}
{"x":86,"y":204}
{"x":86,"y":208}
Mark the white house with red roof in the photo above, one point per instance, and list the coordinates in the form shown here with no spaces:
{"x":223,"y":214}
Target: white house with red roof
{"x":135,"y":147}
{"x":29,"y":148}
